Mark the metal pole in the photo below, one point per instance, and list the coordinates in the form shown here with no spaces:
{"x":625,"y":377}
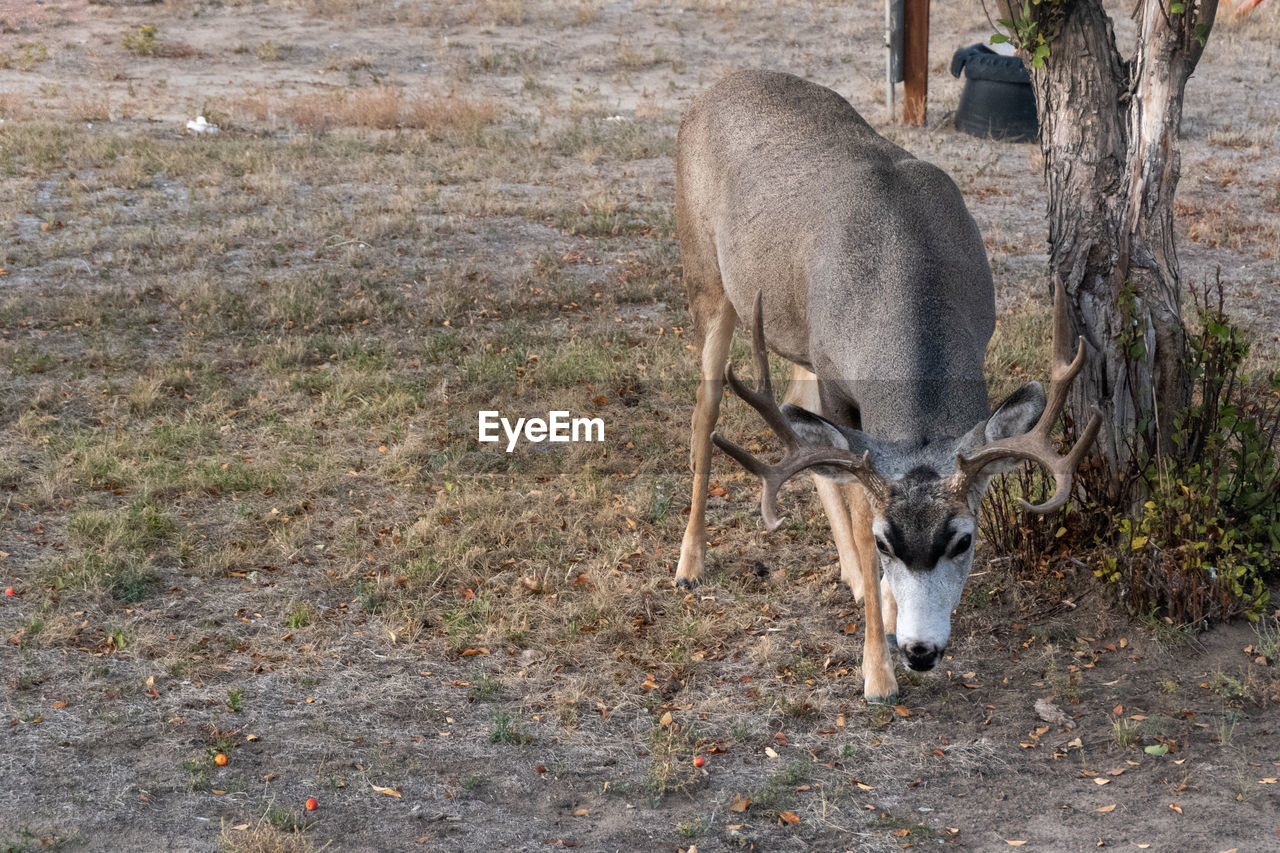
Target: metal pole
{"x":889,"y":91}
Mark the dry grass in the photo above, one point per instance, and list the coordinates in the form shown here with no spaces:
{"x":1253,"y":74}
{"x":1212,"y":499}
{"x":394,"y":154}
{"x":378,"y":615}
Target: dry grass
{"x":262,"y":837}
{"x":239,"y":390}
{"x":377,"y":108}
{"x":12,"y":106}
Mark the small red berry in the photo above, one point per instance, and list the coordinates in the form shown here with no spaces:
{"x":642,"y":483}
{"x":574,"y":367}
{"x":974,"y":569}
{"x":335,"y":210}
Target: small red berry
{"x":221,"y":759}
{"x":698,"y":761}
{"x":10,"y":591}
{"x":312,"y":805}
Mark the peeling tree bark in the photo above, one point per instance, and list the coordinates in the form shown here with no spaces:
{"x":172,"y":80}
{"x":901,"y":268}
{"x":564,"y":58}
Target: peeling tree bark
{"x":1109,"y":132}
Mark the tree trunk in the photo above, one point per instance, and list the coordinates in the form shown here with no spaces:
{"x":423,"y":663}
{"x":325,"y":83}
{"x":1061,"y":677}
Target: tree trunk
{"x":1109,"y":131}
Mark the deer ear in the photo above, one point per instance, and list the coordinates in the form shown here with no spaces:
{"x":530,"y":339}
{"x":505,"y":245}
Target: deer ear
{"x":820,"y":432}
{"x":1015,"y":416}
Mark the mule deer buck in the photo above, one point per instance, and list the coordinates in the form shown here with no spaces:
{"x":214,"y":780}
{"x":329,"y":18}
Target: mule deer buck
{"x":867,"y":272}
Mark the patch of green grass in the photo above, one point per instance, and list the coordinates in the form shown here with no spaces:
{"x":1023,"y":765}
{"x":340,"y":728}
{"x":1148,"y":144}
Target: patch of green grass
{"x":117,"y":637}
{"x":26,"y":56}
{"x":694,"y":828}
{"x":1227,"y":686}
{"x":671,"y":752}
{"x":484,"y":688}
{"x":140,"y":528}
{"x":132,"y":583}
{"x":503,"y":730}
{"x":465,"y":623}
{"x":778,"y":794}
{"x":198,"y":770}
{"x":1166,"y":632}
{"x":1019,"y":349}
{"x":1267,"y":645}
{"x":235,"y":701}
{"x":284,"y":820}
{"x":613,"y":222}
{"x":29,"y":363}
{"x":300,"y":616}
{"x":906,"y":831}
{"x":1125,"y":733}
{"x":1065,"y":685}
{"x":624,"y":138}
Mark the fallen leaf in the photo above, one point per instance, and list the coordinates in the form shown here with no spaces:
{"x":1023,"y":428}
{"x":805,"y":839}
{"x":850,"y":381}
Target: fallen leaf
{"x":1267,"y":781}
{"x":902,"y":710}
{"x":1177,"y":808}
{"x":790,"y":817}
{"x":580,"y":813}
{"x":769,"y":751}
{"x":240,"y":827}
{"x":390,"y":792}
{"x":1157,"y":749}
{"x":1106,"y":809}
{"x":665,"y":720}
{"x":1101,"y":781}
{"x":739,"y":803}
{"x":1014,"y":843}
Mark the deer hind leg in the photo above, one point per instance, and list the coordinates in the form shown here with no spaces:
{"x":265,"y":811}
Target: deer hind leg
{"x":803,"y":392}
{"x":715,"y":353}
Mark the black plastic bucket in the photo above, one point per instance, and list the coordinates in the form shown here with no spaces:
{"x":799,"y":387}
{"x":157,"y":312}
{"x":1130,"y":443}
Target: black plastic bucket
{"x":997,"y":102}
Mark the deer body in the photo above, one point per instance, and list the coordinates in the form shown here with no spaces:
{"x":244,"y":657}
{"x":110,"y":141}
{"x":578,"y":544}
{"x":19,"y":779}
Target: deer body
{"x":784,"y":188}
{"x":861,"y":266}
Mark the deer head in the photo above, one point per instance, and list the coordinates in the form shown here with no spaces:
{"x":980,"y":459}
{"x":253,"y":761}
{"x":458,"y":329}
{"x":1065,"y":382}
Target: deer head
{"x":925,"y":499}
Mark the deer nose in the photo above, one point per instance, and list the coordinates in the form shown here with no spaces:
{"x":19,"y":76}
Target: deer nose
{"x":922,"y":656}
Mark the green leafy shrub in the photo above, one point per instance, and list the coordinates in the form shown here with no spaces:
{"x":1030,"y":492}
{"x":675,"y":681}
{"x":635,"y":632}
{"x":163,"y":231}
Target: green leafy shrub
{"x":144,"y":41}
{"x":1202,"y":544}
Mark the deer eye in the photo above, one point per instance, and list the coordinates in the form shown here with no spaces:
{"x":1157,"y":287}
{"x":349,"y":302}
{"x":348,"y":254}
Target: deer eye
{"x":883,"y":547}
{"x":962,"y":545}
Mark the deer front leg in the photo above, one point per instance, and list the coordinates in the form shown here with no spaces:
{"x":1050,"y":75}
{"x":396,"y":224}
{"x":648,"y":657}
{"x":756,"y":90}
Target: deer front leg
{"x":859,"y":568}
{"x":880,"y":685}
{"x":715,"y":354}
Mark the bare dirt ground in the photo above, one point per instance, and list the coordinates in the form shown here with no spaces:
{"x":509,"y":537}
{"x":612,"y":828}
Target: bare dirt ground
{"x":243,"y":511}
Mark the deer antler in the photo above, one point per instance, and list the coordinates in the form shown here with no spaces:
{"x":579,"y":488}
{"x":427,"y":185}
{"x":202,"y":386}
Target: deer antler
{"x":799,"y":455}
{"x":1035,"y":445}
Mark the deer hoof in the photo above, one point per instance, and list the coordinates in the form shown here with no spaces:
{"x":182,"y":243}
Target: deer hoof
{"x":686,"y":583}
{"x":891,"y":699}
{"x":892,"y":640}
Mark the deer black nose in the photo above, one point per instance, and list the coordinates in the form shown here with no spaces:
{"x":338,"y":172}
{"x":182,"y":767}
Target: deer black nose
{"x":921,"y":656}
